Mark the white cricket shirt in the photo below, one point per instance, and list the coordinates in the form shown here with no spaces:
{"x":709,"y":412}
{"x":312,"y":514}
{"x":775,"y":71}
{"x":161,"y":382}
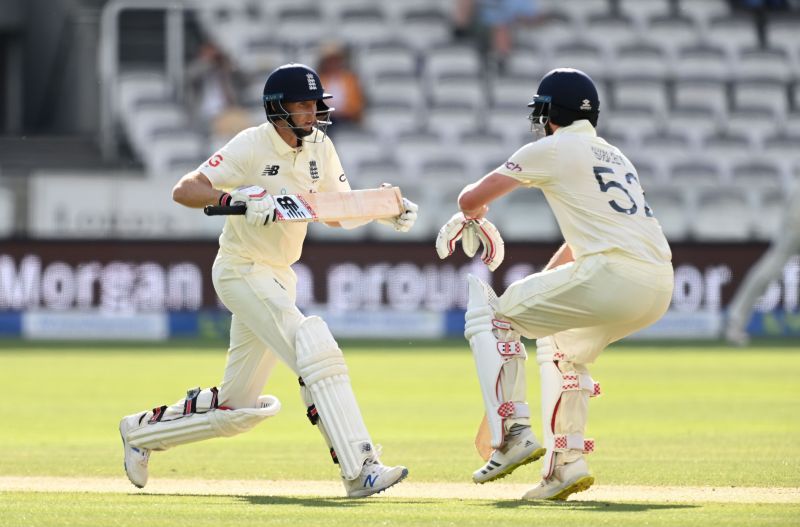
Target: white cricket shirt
{"x":259,"y":156}
{"x":594,"y":192}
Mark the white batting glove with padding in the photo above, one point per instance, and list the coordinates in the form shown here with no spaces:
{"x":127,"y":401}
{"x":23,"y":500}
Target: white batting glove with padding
{"x":404,"y":221}
{"x":494,"y":250}
{"x":260,"y":205}
{"x":473,"y":232}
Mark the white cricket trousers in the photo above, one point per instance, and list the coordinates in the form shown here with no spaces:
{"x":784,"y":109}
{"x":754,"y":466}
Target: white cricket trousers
{"x":589,"y":303}
{"x":263,"y":327}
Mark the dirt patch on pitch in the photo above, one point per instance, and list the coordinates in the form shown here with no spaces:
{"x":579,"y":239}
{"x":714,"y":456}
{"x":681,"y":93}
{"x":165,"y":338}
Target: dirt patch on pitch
{"x":464,"y":491}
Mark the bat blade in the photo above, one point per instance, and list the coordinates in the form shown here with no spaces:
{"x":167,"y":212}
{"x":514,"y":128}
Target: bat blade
{"x":483,"y":440}
{"x":330,"y":206}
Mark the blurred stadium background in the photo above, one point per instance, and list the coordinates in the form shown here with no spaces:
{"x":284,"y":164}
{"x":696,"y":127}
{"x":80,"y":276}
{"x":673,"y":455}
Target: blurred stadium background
{"x":105,"y":104}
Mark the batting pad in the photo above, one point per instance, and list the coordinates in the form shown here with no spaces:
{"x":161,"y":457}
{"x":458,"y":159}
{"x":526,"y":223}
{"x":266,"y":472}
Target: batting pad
{"x":322,"y":368}
{"x":566,"y":389}
{"x":193,"y":427}
{"x":500,"y":363}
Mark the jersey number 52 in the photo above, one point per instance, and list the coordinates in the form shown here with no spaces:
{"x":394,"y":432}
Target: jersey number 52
{"x":605,"y":186}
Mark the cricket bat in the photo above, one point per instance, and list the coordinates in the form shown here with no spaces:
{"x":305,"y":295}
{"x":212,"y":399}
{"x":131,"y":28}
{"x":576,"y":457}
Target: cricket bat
{"x":365,"y":204}
{"x":483,"y":440}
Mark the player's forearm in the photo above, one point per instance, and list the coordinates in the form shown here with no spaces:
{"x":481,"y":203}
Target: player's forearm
{"x":194,"y":190}
{"x":562,"y":256}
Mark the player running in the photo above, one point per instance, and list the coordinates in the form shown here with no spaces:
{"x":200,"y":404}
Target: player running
{"x":252,"y":275}
{"x":612,"y":276}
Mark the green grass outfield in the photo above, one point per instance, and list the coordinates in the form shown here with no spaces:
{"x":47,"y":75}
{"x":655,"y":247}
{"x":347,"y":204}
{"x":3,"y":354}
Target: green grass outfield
{"x":671,"y":416}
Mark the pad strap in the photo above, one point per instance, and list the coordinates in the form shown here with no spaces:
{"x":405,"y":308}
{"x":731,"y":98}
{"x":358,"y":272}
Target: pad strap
{"x":573,"y":381}
{"x":564,"y":442}
{"x":511,"y":409}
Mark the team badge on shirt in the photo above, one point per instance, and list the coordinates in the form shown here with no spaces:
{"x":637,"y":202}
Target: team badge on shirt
{"x":312,"y":169}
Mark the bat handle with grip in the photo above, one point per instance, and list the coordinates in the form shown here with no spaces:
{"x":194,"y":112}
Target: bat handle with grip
{"x":225,"y":210}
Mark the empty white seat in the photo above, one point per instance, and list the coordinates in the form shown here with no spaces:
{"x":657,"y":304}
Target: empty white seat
{"x":642,"y":10}
{"x":582,"y":56}
{"x":415,"y":148}
{"x":172,"y":150}
{"x":580,"y":11}
{"x":706,"y":93}
{"x":641,"y":59}
{"x":722,"y":214}
{"x":763,"y":64}
{"x":389,"y":120}
{"x":732,"y":33}
{"x":664,"y":145}
{"x":423,"y":29}
{"x":135,"y":86}
{"x":517,"y":90}
{"x":608,"y":32}
{"x":672,"y":32}
{"x":702,"y":62}
{"x":260,"y":55}
{"x":354,"y":146}
{"x":784,"y":148}
{"x":480,"y":148}
{"x":459,"y":90}
{"x":651,"y":94}
{"x":453,"y":59}
{"x":727,"y":146}
{"x":397,"y":89}
{"x":782,"y":34}
{"x":510,"y":121}
{"x":693,"y":121}
{"x":758,"y":173}
{"x":149,"y":117}
{"x":301,"y":27}
{"x":524,"y":215}
{"x":671,"y":207}
{"x":397,"y":60}
{"x":370,"y":173}
{"x":549,"y":33}
{"x":527,"y":62}
{"x":695,"y":173}
{"x":361,"y":26}
{"x":770,"y":95}
{"x":451,"y":120}
{"x":633,"y":121}
{"x":753,"y":121}
{"x":702,"y":11}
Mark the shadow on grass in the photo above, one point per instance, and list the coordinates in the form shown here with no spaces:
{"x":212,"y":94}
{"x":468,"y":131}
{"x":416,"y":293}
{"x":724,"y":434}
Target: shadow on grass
{"x":591,"y":505}
{"x":327,"y":502}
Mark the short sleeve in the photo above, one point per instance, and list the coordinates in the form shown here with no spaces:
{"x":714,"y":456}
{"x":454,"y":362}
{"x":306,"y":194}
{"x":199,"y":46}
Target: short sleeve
{"x":334,"y":179}
{"x":533,"y":165}
{"x":229,"y":166}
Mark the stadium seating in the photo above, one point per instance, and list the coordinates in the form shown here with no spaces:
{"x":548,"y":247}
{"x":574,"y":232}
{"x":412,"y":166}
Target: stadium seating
{"x":688,"y":92}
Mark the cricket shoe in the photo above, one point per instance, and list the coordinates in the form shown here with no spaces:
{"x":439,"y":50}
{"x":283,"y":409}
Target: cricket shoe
{"x":374,"y":478}
{"x":136,"y":459}
{"x":737,"y":337}
{"x":566,"y":479}
{"x":517,"y":451}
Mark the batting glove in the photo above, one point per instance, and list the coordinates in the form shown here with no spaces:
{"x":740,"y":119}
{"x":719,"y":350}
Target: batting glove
{"x":404,"y":221}
{"x":260,"y":205}
{"x":473,"y":233}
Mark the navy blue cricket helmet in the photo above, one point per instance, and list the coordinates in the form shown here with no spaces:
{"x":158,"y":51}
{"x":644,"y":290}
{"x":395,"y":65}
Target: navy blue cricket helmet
{"x":294,"y":83}
{"x":565,"y":95}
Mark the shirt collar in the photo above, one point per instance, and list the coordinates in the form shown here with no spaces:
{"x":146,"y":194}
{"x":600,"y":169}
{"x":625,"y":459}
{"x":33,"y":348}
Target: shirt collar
{"x":278,"y":144}
{"x":582,"y":126}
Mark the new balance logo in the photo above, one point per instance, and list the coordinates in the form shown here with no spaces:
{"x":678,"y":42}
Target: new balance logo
{"x":371,"y":479}
{"x":271,"y":170}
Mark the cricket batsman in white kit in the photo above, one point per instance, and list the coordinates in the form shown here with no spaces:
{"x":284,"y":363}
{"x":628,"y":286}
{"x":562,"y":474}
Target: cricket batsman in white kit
{"x":611,"y":277}
{"x":252,"y":274}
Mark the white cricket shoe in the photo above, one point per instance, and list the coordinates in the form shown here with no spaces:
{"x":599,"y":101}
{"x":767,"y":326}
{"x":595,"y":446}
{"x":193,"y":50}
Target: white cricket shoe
{"x":374,"y":478}
{"x":737,"y":337}
{"x":517,"y":451}
{"x":566,"y":479}
{"x":136,"y":459}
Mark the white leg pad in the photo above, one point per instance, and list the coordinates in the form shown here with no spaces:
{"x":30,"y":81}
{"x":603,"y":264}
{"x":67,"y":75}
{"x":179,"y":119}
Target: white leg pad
{"x":322,"y":368}
{"x":202,"y":423}
{"x":494,"y":345}
{"x":565,"y":397}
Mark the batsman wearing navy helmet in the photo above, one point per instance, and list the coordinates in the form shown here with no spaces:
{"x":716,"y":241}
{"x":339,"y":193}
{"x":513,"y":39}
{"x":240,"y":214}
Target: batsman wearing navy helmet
{"x":612,"y":276}
{"x":252,"y":275}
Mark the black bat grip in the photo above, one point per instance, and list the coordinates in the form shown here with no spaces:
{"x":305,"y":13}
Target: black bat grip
{"x":225,"y":210}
